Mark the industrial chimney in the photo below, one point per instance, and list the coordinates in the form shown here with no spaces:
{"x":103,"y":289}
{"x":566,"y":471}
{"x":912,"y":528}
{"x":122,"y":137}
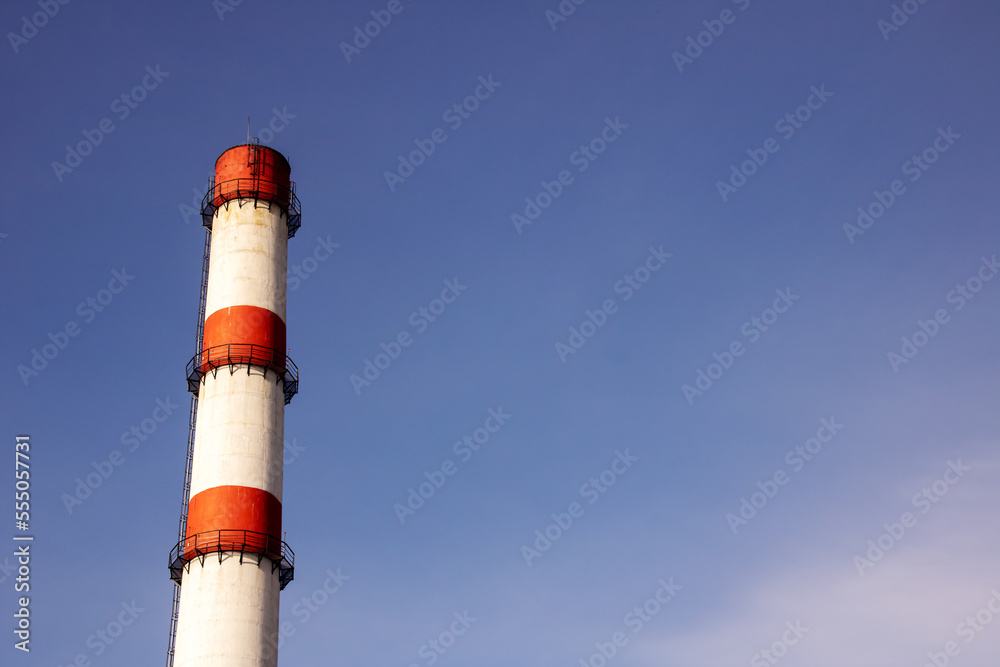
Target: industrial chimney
{"x":231,"y":562}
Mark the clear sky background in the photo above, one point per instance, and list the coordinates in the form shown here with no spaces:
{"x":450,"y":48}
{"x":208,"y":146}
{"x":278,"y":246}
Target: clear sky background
{"x":887,"y":95}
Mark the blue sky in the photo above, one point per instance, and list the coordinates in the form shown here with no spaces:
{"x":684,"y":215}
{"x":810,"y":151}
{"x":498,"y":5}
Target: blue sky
{"x":912,"y":439}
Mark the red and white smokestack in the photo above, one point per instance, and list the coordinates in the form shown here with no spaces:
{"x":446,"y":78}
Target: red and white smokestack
{"x":232,"y":562}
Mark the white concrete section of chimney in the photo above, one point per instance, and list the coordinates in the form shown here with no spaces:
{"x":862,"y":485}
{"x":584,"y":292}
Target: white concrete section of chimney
{"x":249,"y":258}
{"x":228,"y":614}
{"x":239,"y":440}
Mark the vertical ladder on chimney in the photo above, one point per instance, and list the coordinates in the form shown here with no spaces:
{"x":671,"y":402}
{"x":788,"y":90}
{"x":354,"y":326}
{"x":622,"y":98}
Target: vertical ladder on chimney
{"x":256,"y":157}
{"x":192,"y":420}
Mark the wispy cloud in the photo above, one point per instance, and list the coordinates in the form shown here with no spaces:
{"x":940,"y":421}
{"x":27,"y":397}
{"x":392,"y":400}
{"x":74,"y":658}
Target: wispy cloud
{"x":912,"y":603}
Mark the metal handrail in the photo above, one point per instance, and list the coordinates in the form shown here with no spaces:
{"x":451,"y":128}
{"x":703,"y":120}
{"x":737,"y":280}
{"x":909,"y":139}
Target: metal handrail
{"x":242,"y":541}
{"x":252,"y":188}
{"x":238,"y":354}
